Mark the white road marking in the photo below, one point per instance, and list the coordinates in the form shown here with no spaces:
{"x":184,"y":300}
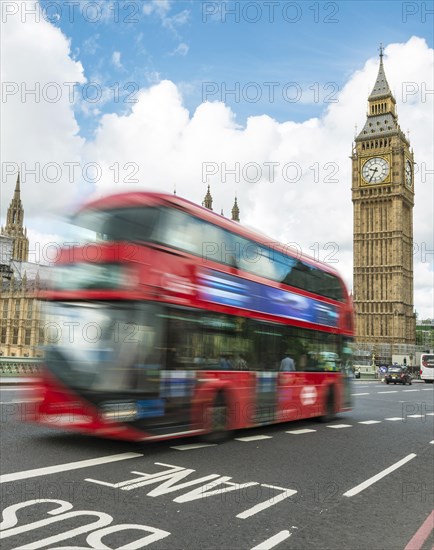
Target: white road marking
{"x":389,"y":391}
{"x":253,"y":438}
{"x":409,"y":390}
{"x":414,"y":415}
{"x":193,"y":446}
{"x":360,"y":394}
{"x":270,"y":502}
{"x":394,"y":418}
{"x":16,"y":389}
{"x":370,"y":422}
{"x":66,"y":467}
{"x":336,"y":426}
{"x":427,"y":389}
{"x":431,"y":442}
{"x":273,"y":541}
{"x":296,"y":432}
{"x":362,"y":486}
{"x":430,"y":414}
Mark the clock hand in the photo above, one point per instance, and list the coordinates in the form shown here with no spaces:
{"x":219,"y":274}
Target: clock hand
{"x":373,"y":170}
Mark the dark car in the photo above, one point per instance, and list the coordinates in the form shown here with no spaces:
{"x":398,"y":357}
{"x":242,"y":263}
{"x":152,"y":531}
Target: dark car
{"x":398,"y":375}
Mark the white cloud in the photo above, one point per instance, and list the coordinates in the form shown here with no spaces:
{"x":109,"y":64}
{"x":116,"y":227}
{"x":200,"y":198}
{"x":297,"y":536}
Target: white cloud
{"x":307,"y":201}
{"x":182,"y":49}
{"x":39,"y":129}
{"x":116,"y":60}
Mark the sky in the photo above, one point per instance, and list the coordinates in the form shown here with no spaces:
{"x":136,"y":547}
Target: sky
{"x":260,"y":100}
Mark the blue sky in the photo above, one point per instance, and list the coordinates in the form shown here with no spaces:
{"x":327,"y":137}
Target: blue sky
{"x":302,"y":72}
{"x":210,"y":48}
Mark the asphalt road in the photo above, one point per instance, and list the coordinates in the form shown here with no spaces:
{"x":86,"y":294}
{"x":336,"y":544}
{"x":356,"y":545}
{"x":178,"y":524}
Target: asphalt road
{"x":364,"y":481}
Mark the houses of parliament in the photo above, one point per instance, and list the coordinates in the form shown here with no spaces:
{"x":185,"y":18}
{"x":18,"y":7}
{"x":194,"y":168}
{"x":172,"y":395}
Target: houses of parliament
{"x":383,"y":200}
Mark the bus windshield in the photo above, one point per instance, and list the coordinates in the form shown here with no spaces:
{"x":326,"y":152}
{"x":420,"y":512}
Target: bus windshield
{"x":119,"y":224}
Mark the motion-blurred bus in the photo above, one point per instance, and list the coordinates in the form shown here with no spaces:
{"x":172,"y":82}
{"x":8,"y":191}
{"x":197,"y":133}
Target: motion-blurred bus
{"x":173,"y":321}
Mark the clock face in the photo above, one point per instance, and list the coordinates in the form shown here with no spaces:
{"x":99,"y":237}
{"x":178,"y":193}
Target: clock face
{"x":408,"y":173}
{"x":375,"y":170}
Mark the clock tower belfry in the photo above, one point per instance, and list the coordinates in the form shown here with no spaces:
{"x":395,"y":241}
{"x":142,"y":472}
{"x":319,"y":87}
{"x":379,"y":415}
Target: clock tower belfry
{"x":383,"y":200}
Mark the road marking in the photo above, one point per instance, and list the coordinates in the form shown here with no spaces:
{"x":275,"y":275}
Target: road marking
{"x":336,"y":426}
{"x":18,"y":388}
{"x":394,"y":418}
{"x":427,"y":389}
{"x":253,"y":438}
{"x":273,"y":541}
{"x":370,"y":422}
{"x":409,"y":390}
{"x":389,"y":391}
{"x":362,"y":486}
{"x":431,"y":442}
{"x":193,"y":446}
{"x":66,"y":467}
{"x":360,"y":394}
{"x":296,"y":432}
{"x":270,"y":502}
{"x":419,"y":538}
{"x":430,"y":414}
{"x":414,"y":415}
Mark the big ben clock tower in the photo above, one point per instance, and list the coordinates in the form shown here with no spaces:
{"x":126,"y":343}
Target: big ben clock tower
{"x":383,"y":199}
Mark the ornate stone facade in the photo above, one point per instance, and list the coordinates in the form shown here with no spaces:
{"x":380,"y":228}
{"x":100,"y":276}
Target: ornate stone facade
{"x":383,"y":200}
{"x":20,"y":327}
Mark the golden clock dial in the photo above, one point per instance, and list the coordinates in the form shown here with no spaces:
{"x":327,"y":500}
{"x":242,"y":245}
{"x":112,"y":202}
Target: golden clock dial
{"x":375,"y":170}
{"x":408,"y":173}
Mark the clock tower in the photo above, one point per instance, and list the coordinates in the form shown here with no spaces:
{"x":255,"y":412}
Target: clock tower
{"x":383,"y":200}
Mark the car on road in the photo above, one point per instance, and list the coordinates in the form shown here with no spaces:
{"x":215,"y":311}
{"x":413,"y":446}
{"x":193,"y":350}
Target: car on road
{"x":397,"y":375}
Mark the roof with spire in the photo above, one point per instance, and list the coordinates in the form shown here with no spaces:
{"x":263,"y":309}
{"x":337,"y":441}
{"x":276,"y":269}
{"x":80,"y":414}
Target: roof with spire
{"x":381,"y":124}
{"x":381,"y":87}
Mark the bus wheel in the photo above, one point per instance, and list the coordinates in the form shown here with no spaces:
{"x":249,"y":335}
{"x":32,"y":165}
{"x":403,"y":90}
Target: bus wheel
{"x":217,"y":416}
{"x":330,"y":407}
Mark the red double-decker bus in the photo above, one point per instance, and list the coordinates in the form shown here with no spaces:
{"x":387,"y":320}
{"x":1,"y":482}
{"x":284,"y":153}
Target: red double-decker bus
{"x":172,"y":321}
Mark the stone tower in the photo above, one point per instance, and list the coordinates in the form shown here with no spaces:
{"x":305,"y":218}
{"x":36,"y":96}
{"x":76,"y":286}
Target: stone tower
{"x":383,"y":200}
{"x":235,"y":211}
{"x":14,"y":226}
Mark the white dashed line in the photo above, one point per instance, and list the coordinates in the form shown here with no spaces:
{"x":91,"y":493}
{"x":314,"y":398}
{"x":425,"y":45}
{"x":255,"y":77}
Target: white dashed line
{"x":409,"y":390}
{"x":193,"y":446}
{"x":394,"y":419}
{"x":362,"y":486}
{"x":273,"y":541}
{"x":337,"y":426}
{"x":296,"y":432}
{"x":360,"y":394}
{"x":414,"y":415}
{"x":430,"y":414}
{"x":389,"y":391}
{"x":431,"y":442}
{"x":253,"y":438}
{"x":370,"y":422}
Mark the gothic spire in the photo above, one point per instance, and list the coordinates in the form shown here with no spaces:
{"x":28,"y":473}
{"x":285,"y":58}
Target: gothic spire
{"x":381,"y":87}
{"x":235,"y":211}
{"x":208,"y":200}
{"x":14,"y":226}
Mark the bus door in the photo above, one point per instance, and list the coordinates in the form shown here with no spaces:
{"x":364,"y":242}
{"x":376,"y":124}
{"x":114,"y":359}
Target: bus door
{"x":288,"y":407}
{"x":266,"y":397}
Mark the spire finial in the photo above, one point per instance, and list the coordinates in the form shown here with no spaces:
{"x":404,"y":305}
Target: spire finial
{"x":17,"y":186}
{"x":381,"y":50}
